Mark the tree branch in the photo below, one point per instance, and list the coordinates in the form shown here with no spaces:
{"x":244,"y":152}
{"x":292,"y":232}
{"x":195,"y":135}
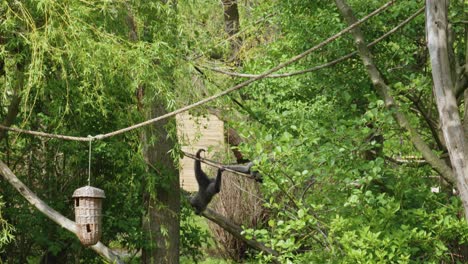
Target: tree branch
{"x":236,"y":231}
{"x":384,"y":91}
{"x":430,"y":123}
{"x":462,"y":79}
{"x":53,"y":215}
{"x":218,"y":165}
{"x":437,"y":42}
{"x":461,"y":84}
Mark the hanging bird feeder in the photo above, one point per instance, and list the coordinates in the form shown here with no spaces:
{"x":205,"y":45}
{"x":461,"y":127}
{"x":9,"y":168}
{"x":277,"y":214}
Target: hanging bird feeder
{"x":88,"y":214}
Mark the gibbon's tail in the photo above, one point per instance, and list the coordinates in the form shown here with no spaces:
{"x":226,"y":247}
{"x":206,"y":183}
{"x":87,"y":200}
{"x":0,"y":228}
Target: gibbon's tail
{"x":198,"y":152}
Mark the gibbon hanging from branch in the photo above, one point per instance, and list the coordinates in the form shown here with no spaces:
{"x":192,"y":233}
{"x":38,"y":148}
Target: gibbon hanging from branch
{"x":207,"y":187}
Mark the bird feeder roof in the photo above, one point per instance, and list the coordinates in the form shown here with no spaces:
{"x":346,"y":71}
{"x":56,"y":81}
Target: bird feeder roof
{"x":89,"y":191}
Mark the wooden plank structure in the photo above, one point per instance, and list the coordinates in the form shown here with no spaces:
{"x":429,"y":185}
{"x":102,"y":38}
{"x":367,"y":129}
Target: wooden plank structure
{"x":195,"y":133}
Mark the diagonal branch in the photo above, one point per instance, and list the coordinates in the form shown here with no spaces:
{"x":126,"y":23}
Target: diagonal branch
{"x":53,"y":215}
{"x":384,"y":91}
{"x":430,"y":123}
{"x":236,"y":231}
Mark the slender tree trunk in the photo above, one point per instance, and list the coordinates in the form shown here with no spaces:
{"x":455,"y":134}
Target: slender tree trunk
{"x":232,"y":25}
{"x":161,"y":221}
{"x":13,"y":108}
{"x":462,"y":85}
{"x":452,"y":128}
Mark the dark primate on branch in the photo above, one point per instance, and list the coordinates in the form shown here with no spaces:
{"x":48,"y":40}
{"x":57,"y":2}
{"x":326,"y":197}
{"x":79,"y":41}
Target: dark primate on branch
{"x":246,"y":169}
{"x":207,"y":187}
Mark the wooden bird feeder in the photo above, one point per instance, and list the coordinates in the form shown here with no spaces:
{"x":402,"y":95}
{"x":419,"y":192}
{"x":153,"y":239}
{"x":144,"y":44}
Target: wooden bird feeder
{"x":88,"y":214}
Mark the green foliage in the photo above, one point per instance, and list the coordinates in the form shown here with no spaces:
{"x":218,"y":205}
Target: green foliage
{"x":192,"y":238}
{"x":329,"y":200}
{"x":326,"y":146}
{"x":77,"y":73}
{"x":6,"y":231}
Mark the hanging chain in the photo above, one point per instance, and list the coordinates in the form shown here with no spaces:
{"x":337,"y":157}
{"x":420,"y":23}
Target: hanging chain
{"x":89,"y":160}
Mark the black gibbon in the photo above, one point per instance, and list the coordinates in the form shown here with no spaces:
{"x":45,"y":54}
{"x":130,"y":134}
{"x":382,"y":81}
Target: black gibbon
{"x":207,"y":187}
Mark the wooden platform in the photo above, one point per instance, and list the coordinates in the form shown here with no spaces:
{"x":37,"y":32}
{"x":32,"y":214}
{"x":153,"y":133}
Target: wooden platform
{"x":195,"y":133}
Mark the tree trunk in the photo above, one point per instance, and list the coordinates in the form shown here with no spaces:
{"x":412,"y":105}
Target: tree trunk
{"x":162,"y":204}
{"x":462,"y":85}
{"x":437,"y":42}
{"x":161,"y":221}
{"x":13,"y":108}
{"x":232,"y":25}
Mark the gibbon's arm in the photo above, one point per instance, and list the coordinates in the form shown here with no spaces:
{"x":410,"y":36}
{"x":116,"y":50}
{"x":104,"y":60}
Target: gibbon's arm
{"x":240,"y":168}
{"x":202,"y":179}
{"x":246,"y":169}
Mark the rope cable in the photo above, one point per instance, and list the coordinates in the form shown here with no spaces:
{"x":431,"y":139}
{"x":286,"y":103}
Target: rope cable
{"x":89,"y":161}
{"x":213,"y":97}
{"x":321,"y":66}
